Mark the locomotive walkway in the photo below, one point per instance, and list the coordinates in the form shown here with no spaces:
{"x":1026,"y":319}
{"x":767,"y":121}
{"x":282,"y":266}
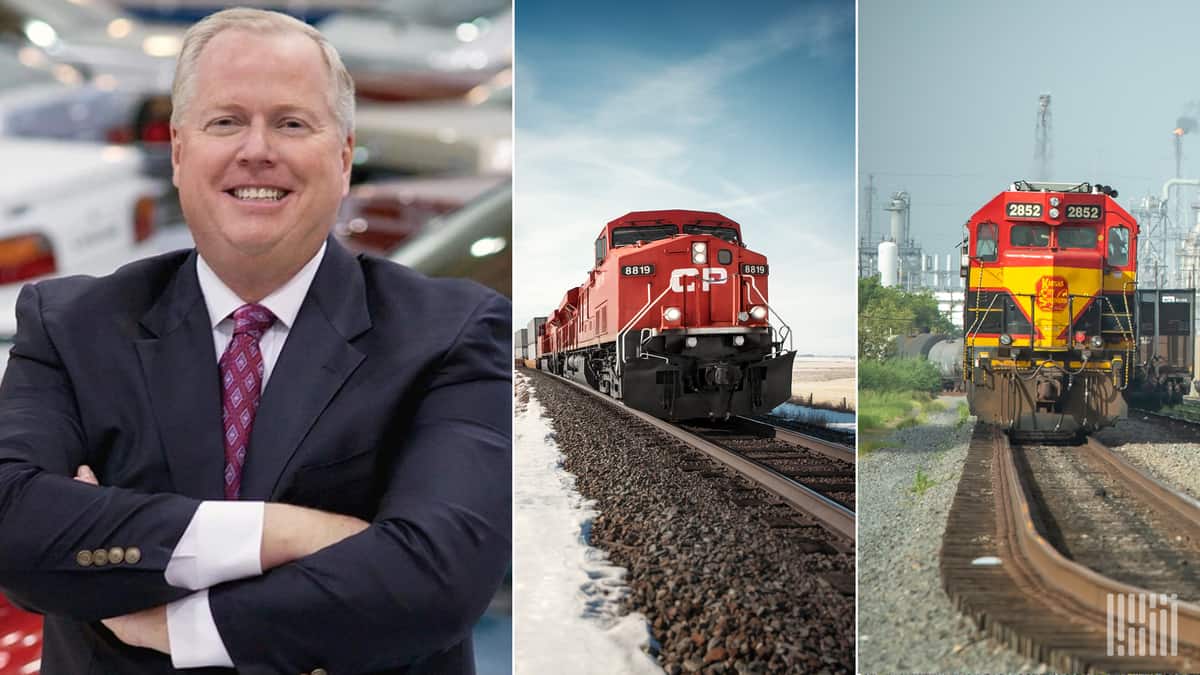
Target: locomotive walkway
{"x":1044,"y":545}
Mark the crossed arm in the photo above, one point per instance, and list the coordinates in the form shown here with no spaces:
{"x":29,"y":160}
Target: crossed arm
{"x":288,"y":533}
{"x":407,"y":584}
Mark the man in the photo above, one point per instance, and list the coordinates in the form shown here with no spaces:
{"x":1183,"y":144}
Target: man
{"x":201,"y":399}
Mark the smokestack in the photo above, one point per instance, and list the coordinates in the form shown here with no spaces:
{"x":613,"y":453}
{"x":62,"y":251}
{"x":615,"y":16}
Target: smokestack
{"x":1183,"y":125}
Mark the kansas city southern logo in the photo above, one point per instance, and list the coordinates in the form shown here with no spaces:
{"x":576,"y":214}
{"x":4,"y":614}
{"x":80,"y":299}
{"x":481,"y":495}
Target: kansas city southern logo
{"x":1052,"y":294}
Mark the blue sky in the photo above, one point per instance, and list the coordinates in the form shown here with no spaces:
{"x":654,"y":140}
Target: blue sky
{"x":720,"y":106}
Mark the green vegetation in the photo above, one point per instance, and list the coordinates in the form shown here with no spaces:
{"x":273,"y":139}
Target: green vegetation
{"x":921,"y":483}
{"x":964,"y":413}
{"x":899,"y":375}
{"x":884,"y":313}
{"x":896,"y":409}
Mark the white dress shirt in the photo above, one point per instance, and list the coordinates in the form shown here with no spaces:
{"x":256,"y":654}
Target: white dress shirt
{"x":223,"y":541}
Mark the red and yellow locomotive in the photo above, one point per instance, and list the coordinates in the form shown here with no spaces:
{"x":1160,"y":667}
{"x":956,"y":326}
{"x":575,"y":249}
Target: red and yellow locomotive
{"x":673,"y":320}
{"x":1049,"y":341}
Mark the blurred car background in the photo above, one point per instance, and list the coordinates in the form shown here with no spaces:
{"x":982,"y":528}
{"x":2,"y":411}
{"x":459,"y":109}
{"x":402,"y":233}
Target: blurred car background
{"x":84,"y":140}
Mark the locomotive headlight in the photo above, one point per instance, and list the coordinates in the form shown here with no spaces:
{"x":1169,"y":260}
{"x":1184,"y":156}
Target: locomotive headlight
{"x":699,"y":252}
{"x":743,"y":316}
{"x":739,"y":340}
{"x":758,"y":312}
{"x":1053,"y":213}
{"x":691,"y":342}
{"x":1097,"y":341}
{"x":1006,"y":339}
{"x":1054,"y":201}
{"x":672,"y":314}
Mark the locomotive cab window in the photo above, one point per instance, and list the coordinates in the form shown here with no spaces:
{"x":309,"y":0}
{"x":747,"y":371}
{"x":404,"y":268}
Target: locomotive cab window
{"x":985,"y":242}
{"x":600,"y":250}
{"x":1118,"y":246}
{"x":625,"y":236}
{"x":1077,"y":236}
{"x":1029,"y":235}
{"x":727,"y":233}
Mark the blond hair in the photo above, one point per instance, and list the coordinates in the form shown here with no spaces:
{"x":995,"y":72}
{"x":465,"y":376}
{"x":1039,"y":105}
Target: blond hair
{"x":341,"y":94}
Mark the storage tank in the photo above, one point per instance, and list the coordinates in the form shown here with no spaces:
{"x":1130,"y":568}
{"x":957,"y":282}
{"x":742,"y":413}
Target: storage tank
{"x":898,"y":206}
{"x":918,"y":346}
{"x":947,"y":356}
{"x":889,"y":263}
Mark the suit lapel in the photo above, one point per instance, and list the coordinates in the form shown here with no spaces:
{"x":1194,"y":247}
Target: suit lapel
{"x":316,"y":360}
{"x":180,"y":371}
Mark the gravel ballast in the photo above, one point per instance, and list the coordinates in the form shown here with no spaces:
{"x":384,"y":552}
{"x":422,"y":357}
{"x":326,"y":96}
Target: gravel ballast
{"x":1167,"y":452}
{"x":730,"y":580}
{"x":906,"y":622}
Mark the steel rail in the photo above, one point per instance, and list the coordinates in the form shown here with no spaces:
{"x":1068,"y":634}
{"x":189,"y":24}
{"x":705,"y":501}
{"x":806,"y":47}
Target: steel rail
{"x":830,"y":449}
{"x":833,"y":516}
{"x":1086,"y":592}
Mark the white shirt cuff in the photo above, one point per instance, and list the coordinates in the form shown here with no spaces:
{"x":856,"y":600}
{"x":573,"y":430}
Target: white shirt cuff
{"x":223,"y":542}
{"x":195,"y":642}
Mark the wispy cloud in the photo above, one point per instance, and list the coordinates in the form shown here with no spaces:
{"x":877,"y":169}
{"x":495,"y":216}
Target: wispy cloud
{"x":682,"y":89}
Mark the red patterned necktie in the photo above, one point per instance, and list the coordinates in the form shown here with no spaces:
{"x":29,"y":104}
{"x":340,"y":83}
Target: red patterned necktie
{"x":241,"y":387}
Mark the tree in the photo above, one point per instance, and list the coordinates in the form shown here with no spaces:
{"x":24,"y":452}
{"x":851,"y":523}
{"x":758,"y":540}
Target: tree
{"x":884,"y":313}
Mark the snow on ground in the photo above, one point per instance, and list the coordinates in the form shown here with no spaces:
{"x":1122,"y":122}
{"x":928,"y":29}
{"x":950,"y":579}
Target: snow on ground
{"x":843,"y":421}
{"x":566,"y":594}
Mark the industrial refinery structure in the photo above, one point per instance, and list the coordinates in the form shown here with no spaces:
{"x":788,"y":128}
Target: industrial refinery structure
{"x":1169,"y":223}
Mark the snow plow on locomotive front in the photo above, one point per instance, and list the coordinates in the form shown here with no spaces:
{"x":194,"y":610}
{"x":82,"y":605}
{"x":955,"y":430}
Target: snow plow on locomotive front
{"x":1049,"y":335}
{"x":673,"y":320}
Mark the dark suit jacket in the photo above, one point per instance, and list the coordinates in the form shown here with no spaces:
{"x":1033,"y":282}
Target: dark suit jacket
{"x":391,"y":401}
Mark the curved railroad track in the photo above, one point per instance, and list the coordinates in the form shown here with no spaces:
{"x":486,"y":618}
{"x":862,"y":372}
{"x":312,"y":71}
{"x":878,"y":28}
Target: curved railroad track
{"x":1060,"y":551}
{"x":757,"y":464}
{"x":824,"y":467}
{"x":827,"y":434}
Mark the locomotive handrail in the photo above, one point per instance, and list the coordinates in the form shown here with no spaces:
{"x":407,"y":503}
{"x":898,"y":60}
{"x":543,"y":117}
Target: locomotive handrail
{"x":1130,"y":352}
{"x":783,"y":335}
{"x":637,"y":317}
{"x":646,"y":335}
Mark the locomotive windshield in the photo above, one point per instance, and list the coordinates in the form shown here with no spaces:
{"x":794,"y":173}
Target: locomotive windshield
{"x":985,"y":242}
{"x":1118,"y":246}
{"x":727,"y":233}
{"x":1077,"y":236}
{"x":1029,"y":235}
{"x":624,"y":236}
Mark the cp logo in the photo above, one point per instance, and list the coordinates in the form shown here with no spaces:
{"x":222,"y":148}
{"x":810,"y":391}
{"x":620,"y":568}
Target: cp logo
{"x":709,"y":276}
{"x":1052,"y":294}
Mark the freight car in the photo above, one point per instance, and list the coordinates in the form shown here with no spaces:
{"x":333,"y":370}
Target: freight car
{"x":943,"y":351}
{"x":673,"y":320}
{"x":1166,"y":347}
{"x":1049,"y":342}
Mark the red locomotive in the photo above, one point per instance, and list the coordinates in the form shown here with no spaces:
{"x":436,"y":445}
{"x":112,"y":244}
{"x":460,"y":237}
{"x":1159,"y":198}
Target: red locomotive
{"x":673,"y":320}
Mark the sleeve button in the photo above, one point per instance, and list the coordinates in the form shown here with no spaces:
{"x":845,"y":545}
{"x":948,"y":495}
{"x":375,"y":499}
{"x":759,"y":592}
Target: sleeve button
{"x":83,"y":558}
{"x":116,"y":555}
{"x":100,"y":557}
{"x":133,"y":554}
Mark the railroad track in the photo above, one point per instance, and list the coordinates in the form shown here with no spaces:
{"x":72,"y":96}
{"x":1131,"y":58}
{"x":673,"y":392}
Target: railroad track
{"x":829,"y":512}
{"x":824,"y":446}
{"x":827,"y":434}
{"x":827,"y":468}
{"x":1045,"y":545}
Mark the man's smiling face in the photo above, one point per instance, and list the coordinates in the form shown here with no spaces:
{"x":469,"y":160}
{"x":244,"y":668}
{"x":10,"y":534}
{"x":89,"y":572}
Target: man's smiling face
{"x":259,"y":159}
